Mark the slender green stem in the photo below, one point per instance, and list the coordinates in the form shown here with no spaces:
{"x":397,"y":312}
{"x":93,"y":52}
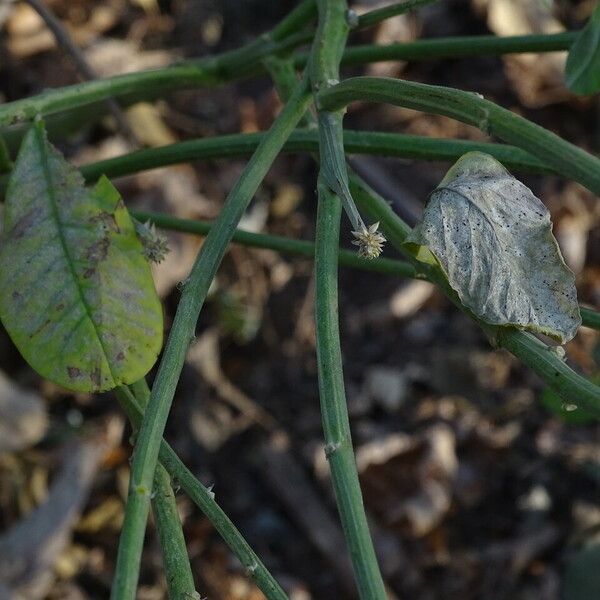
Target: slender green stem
{"x":346,"y":258}
{"x":568,"y":384}
{"x":182,"y":333}
{"x":565,"y":158}
{"x":334,"y":412}
{"x":456,"y":47}
{"x":246,"y":61}
{"x":381,"y":14}
{"x":332,"y":187}
{"x":205,"y":501}
{"x":543,"y":361}
{"x":215,"y":70}
{"x":355,"y":142}
{"x":178,"y":571}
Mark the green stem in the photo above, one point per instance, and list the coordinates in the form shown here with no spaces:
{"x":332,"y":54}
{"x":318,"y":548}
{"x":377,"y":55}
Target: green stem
{"x":182,"y":334}
{"x":336,"y":427}
{"x":209,"y":71}
{"x":246,"y":61}
{"x":456,"y":47}
{"x":381,"y":14}
{"x":590,"y":318}
{"x":568,"y":384}
{"x":355,"y":142}
{"x":565,"y":158}
{"x":204,"y":500}
{"x":332,"y":186}
{"x":178,"y":572}
{"x":346,"y":258}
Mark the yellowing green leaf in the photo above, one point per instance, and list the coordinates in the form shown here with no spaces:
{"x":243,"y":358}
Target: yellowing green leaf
{"x":493,"y":239}
{"x":582,"y":72}
{"x":76,"y":293}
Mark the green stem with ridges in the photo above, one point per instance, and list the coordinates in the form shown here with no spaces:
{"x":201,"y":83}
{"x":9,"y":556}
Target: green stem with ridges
{"x":326,"y":52}
{"x":244,"y":62}
{"x":565,"y":158}
{"x":355,"y":142}
{"x":204,"y":500}
{"x":334,"y":412}
{"x":178,"y":571}
{"x":182,"y":333}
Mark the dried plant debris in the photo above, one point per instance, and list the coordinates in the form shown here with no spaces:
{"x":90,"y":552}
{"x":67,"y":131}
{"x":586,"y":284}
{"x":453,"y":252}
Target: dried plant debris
{"x":23,"y":417}
{"x":493,"y":239}
{"x":29,"y":549}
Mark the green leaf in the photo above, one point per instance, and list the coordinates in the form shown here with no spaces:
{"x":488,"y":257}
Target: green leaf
{"x":76,"y":293}
{"x":582,"y":71}
{"x":493,"y":239}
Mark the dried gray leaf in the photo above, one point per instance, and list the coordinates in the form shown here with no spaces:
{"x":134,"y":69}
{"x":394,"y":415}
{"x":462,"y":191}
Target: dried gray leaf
{"x":493,"y":239}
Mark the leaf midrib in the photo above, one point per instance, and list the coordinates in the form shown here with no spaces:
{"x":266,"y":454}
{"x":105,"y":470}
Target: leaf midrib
{"x":63,"y":242}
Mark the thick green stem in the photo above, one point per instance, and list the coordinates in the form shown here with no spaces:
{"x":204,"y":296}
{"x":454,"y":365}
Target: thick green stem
{"x":246,"y":61}
{"x":336,"y":427}
{"x":204,"y":500}
{"x":178,"y":571}
{"x":470,"y":108}
{"x":182,"y":334}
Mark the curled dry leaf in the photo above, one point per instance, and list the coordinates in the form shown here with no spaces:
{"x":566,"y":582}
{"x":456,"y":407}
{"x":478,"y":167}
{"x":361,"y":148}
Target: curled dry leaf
{"x":493,"y":239}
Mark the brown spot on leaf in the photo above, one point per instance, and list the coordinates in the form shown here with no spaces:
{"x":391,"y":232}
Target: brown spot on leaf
{"x":121,"y":355}
{"x":89,"y":272}
{"x":60,"y":306}
{"x":73,"y":372}
{"x":106,"y":221}
{"x":95,"y":377}
{"x":16,"y":296}
{"x":98,"y":250}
